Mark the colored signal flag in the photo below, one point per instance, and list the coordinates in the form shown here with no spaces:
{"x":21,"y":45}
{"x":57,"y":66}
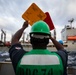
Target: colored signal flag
{"x":48,"y":20}
{"x":33,"y":14}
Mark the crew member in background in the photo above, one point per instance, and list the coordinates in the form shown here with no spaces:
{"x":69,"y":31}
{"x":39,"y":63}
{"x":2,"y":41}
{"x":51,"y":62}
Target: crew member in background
{"x":39,"y":60}
{"x":61,"y":42}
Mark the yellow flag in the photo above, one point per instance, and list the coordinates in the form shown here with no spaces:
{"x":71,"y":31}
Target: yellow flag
{"x":33,"y":14}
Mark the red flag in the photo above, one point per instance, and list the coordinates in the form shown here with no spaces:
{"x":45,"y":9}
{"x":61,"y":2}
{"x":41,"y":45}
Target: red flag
{"x":48,"y":20}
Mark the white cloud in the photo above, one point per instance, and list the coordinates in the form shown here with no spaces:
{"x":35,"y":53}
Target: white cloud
{"x":8,"y":23}
{"x":60,"y":11}
{"x":71,"y":9}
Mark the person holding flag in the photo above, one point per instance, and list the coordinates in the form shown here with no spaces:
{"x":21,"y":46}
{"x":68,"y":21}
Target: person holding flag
{"x":39,"y":60}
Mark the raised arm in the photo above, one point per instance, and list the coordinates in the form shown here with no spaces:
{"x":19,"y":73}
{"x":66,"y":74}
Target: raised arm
{"x":57,"y":44}
{"x":18,"y":34}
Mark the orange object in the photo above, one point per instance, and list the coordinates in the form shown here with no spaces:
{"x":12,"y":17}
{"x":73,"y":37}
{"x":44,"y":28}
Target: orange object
{"x":48,"y":20}
{"x":71,"y":38}
{"x":33,"y":14}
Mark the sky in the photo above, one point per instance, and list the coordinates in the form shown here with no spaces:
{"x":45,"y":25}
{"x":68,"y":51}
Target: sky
{"x":11,"y":14}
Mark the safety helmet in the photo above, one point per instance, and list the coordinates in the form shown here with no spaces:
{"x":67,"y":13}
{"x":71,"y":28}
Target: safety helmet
{"x":40,"y":27}
{"x":61,"y":42}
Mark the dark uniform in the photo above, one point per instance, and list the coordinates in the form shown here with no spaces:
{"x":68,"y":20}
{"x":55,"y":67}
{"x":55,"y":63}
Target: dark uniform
{"x":17,"y":54}
{"x":39,"y":60}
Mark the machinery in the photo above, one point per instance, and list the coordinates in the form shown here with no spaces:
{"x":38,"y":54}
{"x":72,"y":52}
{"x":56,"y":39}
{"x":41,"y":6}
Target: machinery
{"x":3,"y":33}
{"x":3,"y":39}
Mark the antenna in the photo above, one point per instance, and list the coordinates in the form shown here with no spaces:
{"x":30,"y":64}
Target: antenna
{"x":71,"y":21}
